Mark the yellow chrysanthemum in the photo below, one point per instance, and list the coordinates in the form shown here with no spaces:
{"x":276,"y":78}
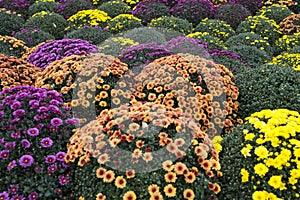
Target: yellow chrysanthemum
{"x":261,"y":169}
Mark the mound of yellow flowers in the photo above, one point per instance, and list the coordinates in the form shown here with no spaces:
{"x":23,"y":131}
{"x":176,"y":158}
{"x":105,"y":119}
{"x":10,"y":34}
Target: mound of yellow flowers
{"x":260,"y":158}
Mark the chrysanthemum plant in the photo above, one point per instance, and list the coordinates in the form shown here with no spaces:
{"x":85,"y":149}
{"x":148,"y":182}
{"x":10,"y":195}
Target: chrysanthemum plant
{"x":140,"y":55}
{"x":11,"y":46}
{"x":60,"y":75}
{"x":276,"y":12}
{"x":114,"y":45}
{"x":93,"y":85}
{"x":58,"y":49}
{"x":250,"y":39}
{"x":87,"y":18}
{"x":261,"y":25}
{"x":213,"y":95}
{"x":14,"y":72}
{"x":35,"y":128}
{"x":260,"y":158}
{"x":49,"y":22}
{"x":143,"y":151}
{"x":10,"y":21}
{"x":124,"y":22}
{"x":290,"y":24}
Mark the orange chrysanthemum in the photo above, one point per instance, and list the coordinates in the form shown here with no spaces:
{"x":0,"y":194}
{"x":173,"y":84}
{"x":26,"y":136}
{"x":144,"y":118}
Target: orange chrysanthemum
{"x":109,"y":176}
{"x":170,"y":177}
{"x":130,"y":173}
{"x":188,"y":194}
{"x":167,"y":166}
{"x":120,"y":182}
{"x":179,"y":168}
{"x":100,"y":196}
{"x":170,"y":190}
{"x":156,"y":196}
{"x":153,"y":189}
{"x":130,"y":195}
{"x":100,"y":172}
{"x":190,"y":177}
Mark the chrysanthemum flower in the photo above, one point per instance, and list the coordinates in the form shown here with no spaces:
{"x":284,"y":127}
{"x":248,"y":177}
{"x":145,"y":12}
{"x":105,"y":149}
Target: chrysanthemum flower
{"x":50,"y":159}
{"x":109,"y":176}
{"x":120,"y":182}
{"x":46,"y":142}
{"x":190,"y":177}
{"x":170,"y":177}
{"x":153,"y":189}
{"x":64,"y":180}
{"x":130,"y":174}
{"x":188,"y":194}
{"x":100,"y":196}
{"x":130,"y":195}
{"x":156,"y":196}
{"x":100,"y":172}
{"x":170,"y":190}
{"x":33,"y":196}
{"x":26,"y":160}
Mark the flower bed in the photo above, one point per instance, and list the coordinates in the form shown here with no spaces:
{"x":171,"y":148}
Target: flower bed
{"x":180,"y":100}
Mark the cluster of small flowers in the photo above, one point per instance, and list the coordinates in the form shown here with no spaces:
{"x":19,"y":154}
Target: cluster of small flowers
{"x":34,"y":119}
{"x":58,"y":49}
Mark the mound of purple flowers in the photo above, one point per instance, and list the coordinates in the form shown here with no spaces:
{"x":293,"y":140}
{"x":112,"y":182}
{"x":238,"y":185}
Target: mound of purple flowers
{"x":193,"y":10}
{"x":137,"y":56}
{"x":146,"y":11}
{"x":58,"y":49}
{"x":15,"y":5}
{"x":35,"y":128}
{"x":184,"y":44}
{"x":253,"y":5}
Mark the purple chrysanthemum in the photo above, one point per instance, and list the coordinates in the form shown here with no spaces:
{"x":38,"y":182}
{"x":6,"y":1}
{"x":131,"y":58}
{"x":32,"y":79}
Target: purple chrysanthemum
{"x":63,"y":180}
{"x":42,"y":109}
{"x":13,"y":189}
{"x":26,"y":160}
{"x":4,"y":196}
{"x":2,"y":141}
{"x":34,"y":104}
{"x":46,"y":142}
{"x":15,"y":135}
{"x":18,"y":197}
{"x":50,"y":159}
{"x":57,"y":191}
{"x":15,"y":105}
{"x":58,"y":49}
{"x":56,"y":122}
{"x":4,"y":154}
{"x":73,"y":121}
{"x":36,"y":95}
{"x":25,"y":143}
{"x":14,"y":121}
{"x":52,"y":168}
{"x":54,"y":102}
{"x":33,"y":196}
{"x":53,"y":108}
{"x":10,"y":145}
{"x":60,"y":156}
{"x":182,"y":44}
{"x":11,"y":165}
{"x":33,"y":132}
{"x":19,"y":113}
